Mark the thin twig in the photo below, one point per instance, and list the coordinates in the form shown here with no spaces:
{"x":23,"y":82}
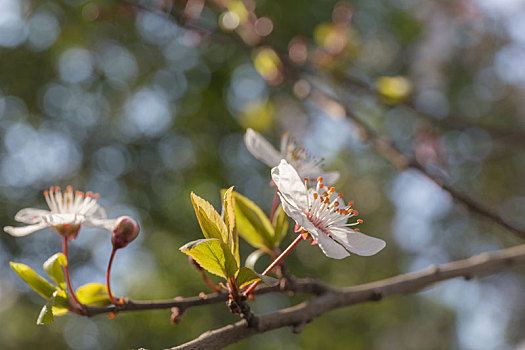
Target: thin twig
{"x":299,"y":315}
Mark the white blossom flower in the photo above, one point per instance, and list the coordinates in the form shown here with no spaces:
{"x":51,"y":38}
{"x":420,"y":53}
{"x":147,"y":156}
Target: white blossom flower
{"x":68,"y":211}
{"x":322,"y":213}
{"x":306,"y":165}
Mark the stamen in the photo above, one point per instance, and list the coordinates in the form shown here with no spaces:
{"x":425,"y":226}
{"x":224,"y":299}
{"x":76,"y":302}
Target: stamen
{"x":359,"y":221}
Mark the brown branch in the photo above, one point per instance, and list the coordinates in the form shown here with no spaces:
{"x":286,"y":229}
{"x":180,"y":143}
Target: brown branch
{"x":396,"y":157}
{"x":497,"y":132}
{"x":182,"y":303}
{"x":299,"y":315}
{"x":303,"y":286}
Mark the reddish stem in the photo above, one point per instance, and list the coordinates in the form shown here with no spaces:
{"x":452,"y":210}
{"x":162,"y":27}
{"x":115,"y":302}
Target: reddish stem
{"x":232,"y":287}
{"x":274,"y":263}
{"x":275,"y":203}
{"x":111,"y":298}
{"x":66,"y":273}
{"x":209,"y":282}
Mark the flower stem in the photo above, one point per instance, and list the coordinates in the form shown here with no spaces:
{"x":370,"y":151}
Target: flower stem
{"x":210,"y":284}
{"x":274,"y":263}
{"x":111,"y":298}
{"x":275,"y":204}
{"x":66,"y":273}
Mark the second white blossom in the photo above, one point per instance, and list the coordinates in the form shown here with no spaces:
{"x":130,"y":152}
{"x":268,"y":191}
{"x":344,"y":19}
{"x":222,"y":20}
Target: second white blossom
{"x":306,"y":165}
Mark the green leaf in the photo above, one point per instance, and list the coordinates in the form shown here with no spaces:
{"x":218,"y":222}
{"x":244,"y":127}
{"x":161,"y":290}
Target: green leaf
{"x":46,"y":314}
{"x":210,"y":221}
{"x":228,"y":206}
{"x":59,"y":311}
{"x":270,"y":281}
{"x":35,"y":281}
{"x":61,"y":303}
{"x":246,"y":276}
{"x":94,"y":294}
{"x":252,"y":223}
{"x":251,"y":260}
{"x":280,"y":226}
{"x":213,"y":255}
{"x":54,"y":307}
{"x":53,"y":266}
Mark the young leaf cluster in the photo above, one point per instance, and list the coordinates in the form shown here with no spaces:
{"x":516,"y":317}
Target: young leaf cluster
{"x":218,"y":252}
{"x":58,"y":304}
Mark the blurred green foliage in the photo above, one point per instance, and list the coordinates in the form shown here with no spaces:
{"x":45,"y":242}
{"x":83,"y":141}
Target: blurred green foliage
{"x":144,"y":108}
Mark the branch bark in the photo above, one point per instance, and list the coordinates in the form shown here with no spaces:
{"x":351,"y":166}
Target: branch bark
{"x":301,"y":314}
{"x":303,"y":286}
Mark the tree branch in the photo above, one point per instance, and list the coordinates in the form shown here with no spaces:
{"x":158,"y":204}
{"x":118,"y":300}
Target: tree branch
{"x":396,"y":157}
{"x":303,"y":286}
{"x":301,"y":314}
{"x":182,"y":303}
{"x":451,"y":122}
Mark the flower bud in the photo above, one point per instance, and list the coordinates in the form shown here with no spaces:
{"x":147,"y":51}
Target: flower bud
{"x":126,"y":230}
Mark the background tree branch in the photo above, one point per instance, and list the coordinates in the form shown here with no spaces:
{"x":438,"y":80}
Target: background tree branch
{"x":388,"y":150}
{"x":383,"y":145}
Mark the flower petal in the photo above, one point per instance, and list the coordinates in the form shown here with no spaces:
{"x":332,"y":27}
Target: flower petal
{"x":108,"y":224}
{"x":293,"y":212}
{"x":313,"y":173}
{"x":56,"y":219}
{"x":261,"y":149}
{"x":284,"y":144}
{"x":290,"y":185}
{"x":331,"y":248}
{"x":330,"y":177}
{"x":24,"y":230}
{"x":97,"y":212}
{"x":31,"y":215}
{"x":357,"y":242}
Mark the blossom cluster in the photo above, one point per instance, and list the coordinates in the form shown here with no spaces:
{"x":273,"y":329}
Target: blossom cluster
{"x":319,"y":211}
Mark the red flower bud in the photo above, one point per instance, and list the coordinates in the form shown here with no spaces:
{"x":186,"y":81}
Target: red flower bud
{"x":126,"y":230}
